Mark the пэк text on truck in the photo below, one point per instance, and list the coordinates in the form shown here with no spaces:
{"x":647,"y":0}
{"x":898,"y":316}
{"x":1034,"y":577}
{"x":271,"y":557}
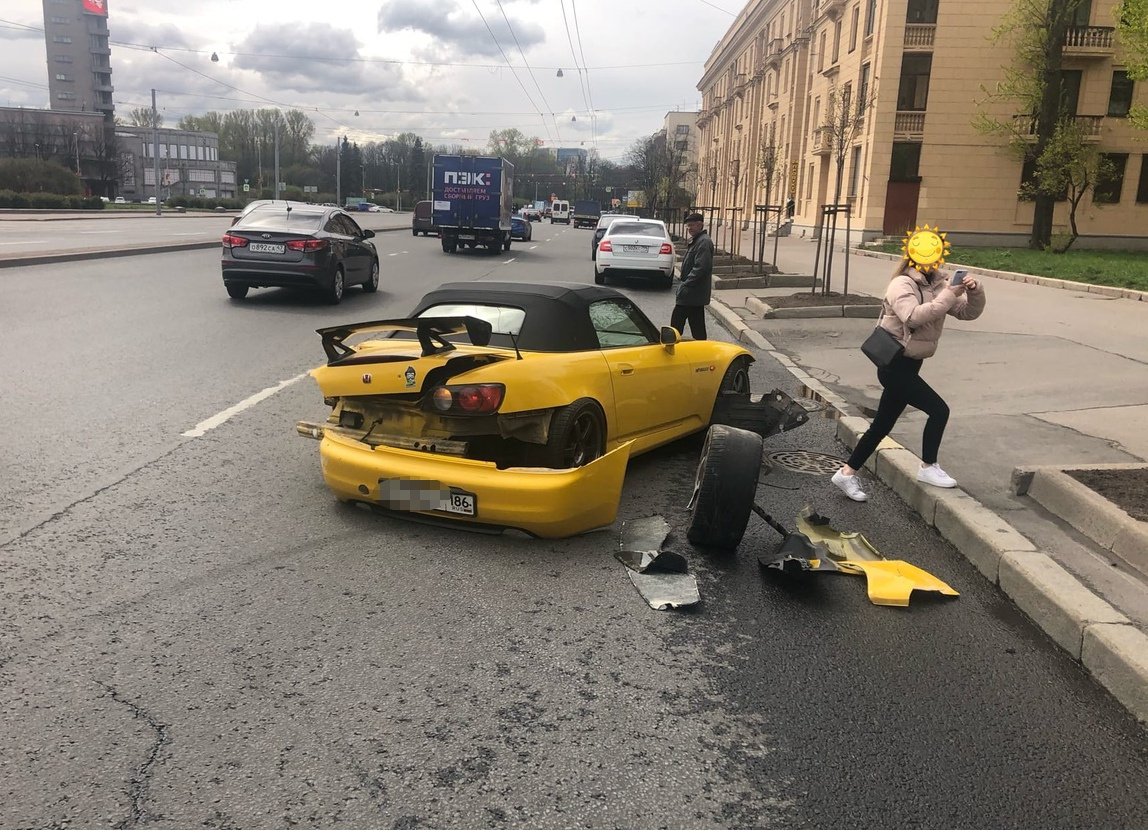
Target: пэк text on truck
{"x":585,"y":213}
{"x":472,"y":202}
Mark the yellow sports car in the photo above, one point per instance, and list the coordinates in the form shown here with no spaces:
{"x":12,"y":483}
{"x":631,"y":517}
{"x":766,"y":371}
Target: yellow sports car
{"x":517,"y":405}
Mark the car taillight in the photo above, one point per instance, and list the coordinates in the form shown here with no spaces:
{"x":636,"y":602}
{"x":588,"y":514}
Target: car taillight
{"x":606,"y":246}
{"x":477,"y":399}
{"x":306,"y":244}
{"x":667,"y":248}
{"x":233,"y":241}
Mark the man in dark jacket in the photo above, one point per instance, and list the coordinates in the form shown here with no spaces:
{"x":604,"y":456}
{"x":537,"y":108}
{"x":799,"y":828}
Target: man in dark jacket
{"x":697,"y":270}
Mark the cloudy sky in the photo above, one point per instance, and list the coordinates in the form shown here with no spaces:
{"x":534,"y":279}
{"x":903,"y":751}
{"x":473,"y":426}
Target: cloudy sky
{"x":450,"y":70}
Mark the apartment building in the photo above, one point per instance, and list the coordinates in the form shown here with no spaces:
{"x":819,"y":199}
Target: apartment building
{"x":873,"y":104}
{"x":681,"y":130}
{"x":79,"y":56}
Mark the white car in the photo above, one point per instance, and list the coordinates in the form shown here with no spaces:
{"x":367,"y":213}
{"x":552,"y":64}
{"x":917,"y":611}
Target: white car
{"x":636,"y":247}
{"x":120,"y":200}
{"x":604,"y":222}
{"x":379,"y":209}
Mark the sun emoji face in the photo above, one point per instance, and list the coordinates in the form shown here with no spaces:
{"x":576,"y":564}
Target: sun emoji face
{"x":926,"y":247}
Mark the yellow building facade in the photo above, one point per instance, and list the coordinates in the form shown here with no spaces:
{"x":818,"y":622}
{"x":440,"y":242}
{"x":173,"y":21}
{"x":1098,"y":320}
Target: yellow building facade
{"x":872,"y":104}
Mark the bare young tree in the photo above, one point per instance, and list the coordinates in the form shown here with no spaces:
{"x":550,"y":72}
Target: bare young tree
{"x":142,"y":117}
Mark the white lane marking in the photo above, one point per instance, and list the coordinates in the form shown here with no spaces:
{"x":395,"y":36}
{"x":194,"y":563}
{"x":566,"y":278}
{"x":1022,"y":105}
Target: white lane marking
{"x":193,"y":233}
{"x":394,"y":254}
{"x":532,"y":247}
{"x":25,"y":242}
{"x":90,"y":232}
{"x":203,"y":427}
{"x":508,"y":261}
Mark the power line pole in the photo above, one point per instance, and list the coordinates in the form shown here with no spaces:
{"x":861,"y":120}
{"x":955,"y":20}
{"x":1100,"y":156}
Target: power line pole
{"x":338,"y":172}
{"x":155,"y":153}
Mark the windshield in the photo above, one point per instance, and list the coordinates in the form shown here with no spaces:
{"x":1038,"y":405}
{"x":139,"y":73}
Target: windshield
{"x":278,"y":218}
{"x":635,"y":229}
{"x":502,"y":319}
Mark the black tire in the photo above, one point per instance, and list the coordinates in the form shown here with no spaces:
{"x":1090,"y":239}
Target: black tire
{"x":235,"y":291}
{"x":506,"y":245}
{"x":414,"y":232}
{"x":372,"y":283}
{"x":725,"y":487}
{"x":577,"y":435}
{"x":448,"y":245}
{"x":736,"y":377}
{"x":599,"y":277}
{"x":334,"y":293}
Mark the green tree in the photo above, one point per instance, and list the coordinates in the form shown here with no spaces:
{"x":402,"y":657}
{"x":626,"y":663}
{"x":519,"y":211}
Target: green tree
{"x":37,"y":176}
{"x":1132,"y":32}
{"x":142,"y":117}
{"x":1036,"y":31}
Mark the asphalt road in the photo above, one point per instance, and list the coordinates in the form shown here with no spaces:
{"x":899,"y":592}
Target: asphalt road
{"x":195,"y":634}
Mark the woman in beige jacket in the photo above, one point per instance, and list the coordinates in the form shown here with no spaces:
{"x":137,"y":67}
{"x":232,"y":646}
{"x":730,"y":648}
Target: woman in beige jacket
{"x":914,"y":309}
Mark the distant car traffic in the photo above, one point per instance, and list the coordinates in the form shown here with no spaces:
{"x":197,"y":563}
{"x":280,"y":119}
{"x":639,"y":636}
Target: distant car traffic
{"x":521,"y":229}
{"x":295,"y":245}
{"x":639,"y":247}
{"x":422,"y":220}
{"x":380,"y":209}
{"x":532,"y":214}
{"x":603,"y":222}
{"x":120,"y":200}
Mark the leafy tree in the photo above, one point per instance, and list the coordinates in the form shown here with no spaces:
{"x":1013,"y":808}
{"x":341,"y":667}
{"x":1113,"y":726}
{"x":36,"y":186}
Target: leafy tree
{"x":1033,"y":85}
{"x":1132,"y":31}
{"x":142,"y":117}
{"x":36,"y":176}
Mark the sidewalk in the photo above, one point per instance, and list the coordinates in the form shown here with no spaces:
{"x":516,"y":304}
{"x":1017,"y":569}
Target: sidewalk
{"x":1052,"y":375}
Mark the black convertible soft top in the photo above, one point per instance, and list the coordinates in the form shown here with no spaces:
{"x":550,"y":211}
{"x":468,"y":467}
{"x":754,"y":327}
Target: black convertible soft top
{"x":557,"y":313}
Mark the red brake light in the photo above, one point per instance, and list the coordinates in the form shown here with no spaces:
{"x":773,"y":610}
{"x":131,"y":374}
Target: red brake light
{"x":306,"y":244}
{"x":667,"y":248}
{"x":606,"y":246}
{"x":232,"y":241}
{"x":479,"y":399}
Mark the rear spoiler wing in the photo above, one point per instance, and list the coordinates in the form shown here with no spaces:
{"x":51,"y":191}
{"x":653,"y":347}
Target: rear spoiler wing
{"x":431,"y":332}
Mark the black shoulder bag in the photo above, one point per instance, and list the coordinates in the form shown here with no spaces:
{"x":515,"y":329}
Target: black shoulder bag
{"x":883,"y":348}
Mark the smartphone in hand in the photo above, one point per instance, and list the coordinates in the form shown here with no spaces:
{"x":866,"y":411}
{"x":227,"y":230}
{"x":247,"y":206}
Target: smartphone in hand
{"x":959,"y":276}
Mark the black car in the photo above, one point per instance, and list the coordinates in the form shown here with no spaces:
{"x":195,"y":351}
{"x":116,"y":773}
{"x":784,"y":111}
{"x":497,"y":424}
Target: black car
{"x":520,"y":228}
{"x":291,"y":245}
{"x":422,"y":219}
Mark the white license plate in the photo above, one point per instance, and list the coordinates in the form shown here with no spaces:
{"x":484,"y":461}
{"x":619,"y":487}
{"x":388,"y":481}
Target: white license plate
{"x":465,"y":236}
{"x":635,"y":249}
{"x":418,"y":495}
{"x":266,"y":248}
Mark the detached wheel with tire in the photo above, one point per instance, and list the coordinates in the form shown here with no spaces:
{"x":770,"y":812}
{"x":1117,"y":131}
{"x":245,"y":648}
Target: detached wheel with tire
{"x":577,"y":435}
{"x":235,"y":291}
{"x":372,"y":283}
{"x":725,"y":487}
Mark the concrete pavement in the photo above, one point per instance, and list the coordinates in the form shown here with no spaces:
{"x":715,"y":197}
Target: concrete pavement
{"x":1054,"y":375}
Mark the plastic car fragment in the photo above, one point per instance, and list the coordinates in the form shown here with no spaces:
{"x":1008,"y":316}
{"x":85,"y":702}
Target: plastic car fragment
{"x":764,"y":414}
{"x":660,"y":576}
{"x":818,"y":547}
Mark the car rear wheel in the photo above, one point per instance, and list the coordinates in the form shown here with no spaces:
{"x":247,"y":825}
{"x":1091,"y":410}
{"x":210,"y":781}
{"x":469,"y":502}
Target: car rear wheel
{"x":236,"y":292}
{"x":334,"y":294}
{"x":506,"y":245}
{"x":736,"y":377}
{"x":414,"y":232}
{"x":725,"y":487}
{"x":577,"y":435}
{"x":599,"y":277}
{"x":372,"y":283}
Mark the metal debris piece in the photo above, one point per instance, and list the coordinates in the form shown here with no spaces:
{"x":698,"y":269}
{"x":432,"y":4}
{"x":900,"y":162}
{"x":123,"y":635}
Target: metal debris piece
{"x":820,"y":548}
{"x":661,"y":576}
{"x":664,"y":591}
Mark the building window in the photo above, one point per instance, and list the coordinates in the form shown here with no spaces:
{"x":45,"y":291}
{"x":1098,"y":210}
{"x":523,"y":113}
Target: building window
{"x":1083,"y":14}
{"x":809,"y":184}
{"x":870,"y":18}
{"x":1110,"y":178}
{"x":63,"y":21}
{"x":60,"y":76}
{"x":837,"y":41}
{"x":682,"y":129}
{"x":913,"y":94}
{"x":61,"y":39}
{"x":63,"y":58}
{"x":921,"y":11}
{"x":66,"y":96}
{"x":1142,"y":188}
{"x":854,"y":172}
{"x":823,"y":44}
{"x":854,"y":25}
{"x":1070,"y":90}
{"x":905,"y":162}
{"x":1120,"y":96}
{"x":863,"y":90}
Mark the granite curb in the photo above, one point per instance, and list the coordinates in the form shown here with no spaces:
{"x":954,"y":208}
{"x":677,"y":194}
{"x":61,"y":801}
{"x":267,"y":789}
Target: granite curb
{"x":1086,"y":626}
{"x":135,"y":250}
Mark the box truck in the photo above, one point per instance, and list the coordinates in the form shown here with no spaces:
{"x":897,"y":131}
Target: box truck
{"x":473,"y":201}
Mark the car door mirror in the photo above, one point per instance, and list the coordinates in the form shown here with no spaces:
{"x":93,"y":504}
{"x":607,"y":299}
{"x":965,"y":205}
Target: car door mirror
{"x":669,"y":336}
{"x":366,"y":233}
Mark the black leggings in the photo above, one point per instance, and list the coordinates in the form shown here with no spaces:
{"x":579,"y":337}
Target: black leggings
{"x":695,"y":314}
{"x":904,"y":387}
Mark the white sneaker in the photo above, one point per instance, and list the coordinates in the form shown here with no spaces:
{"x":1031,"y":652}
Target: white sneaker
{"x":934,"y":475}
{"x":850,"y":486}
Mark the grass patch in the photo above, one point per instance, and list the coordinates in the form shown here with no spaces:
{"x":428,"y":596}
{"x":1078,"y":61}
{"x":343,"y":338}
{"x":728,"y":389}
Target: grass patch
{"x":1121,"y":269}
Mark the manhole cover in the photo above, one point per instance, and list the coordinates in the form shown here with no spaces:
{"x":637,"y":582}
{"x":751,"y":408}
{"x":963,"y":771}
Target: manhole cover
{"x":804,"y":461}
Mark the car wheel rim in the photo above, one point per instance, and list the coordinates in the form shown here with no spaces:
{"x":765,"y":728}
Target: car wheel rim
{"x":375,"y":275}
{"x":585,"y":440}
{"x":698,"y":475}
{"x":337,"y":288}
{"x":740,"y":382}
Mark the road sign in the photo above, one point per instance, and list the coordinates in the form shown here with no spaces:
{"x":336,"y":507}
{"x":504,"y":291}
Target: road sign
{"x":246,"y":188}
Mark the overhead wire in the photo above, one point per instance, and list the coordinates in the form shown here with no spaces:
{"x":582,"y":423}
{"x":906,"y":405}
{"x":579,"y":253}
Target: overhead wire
{"x":589,"y":94}
{"x":527,"y":64}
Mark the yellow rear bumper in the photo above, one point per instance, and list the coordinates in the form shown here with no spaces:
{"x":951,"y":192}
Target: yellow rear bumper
{"x":543,"y":502}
